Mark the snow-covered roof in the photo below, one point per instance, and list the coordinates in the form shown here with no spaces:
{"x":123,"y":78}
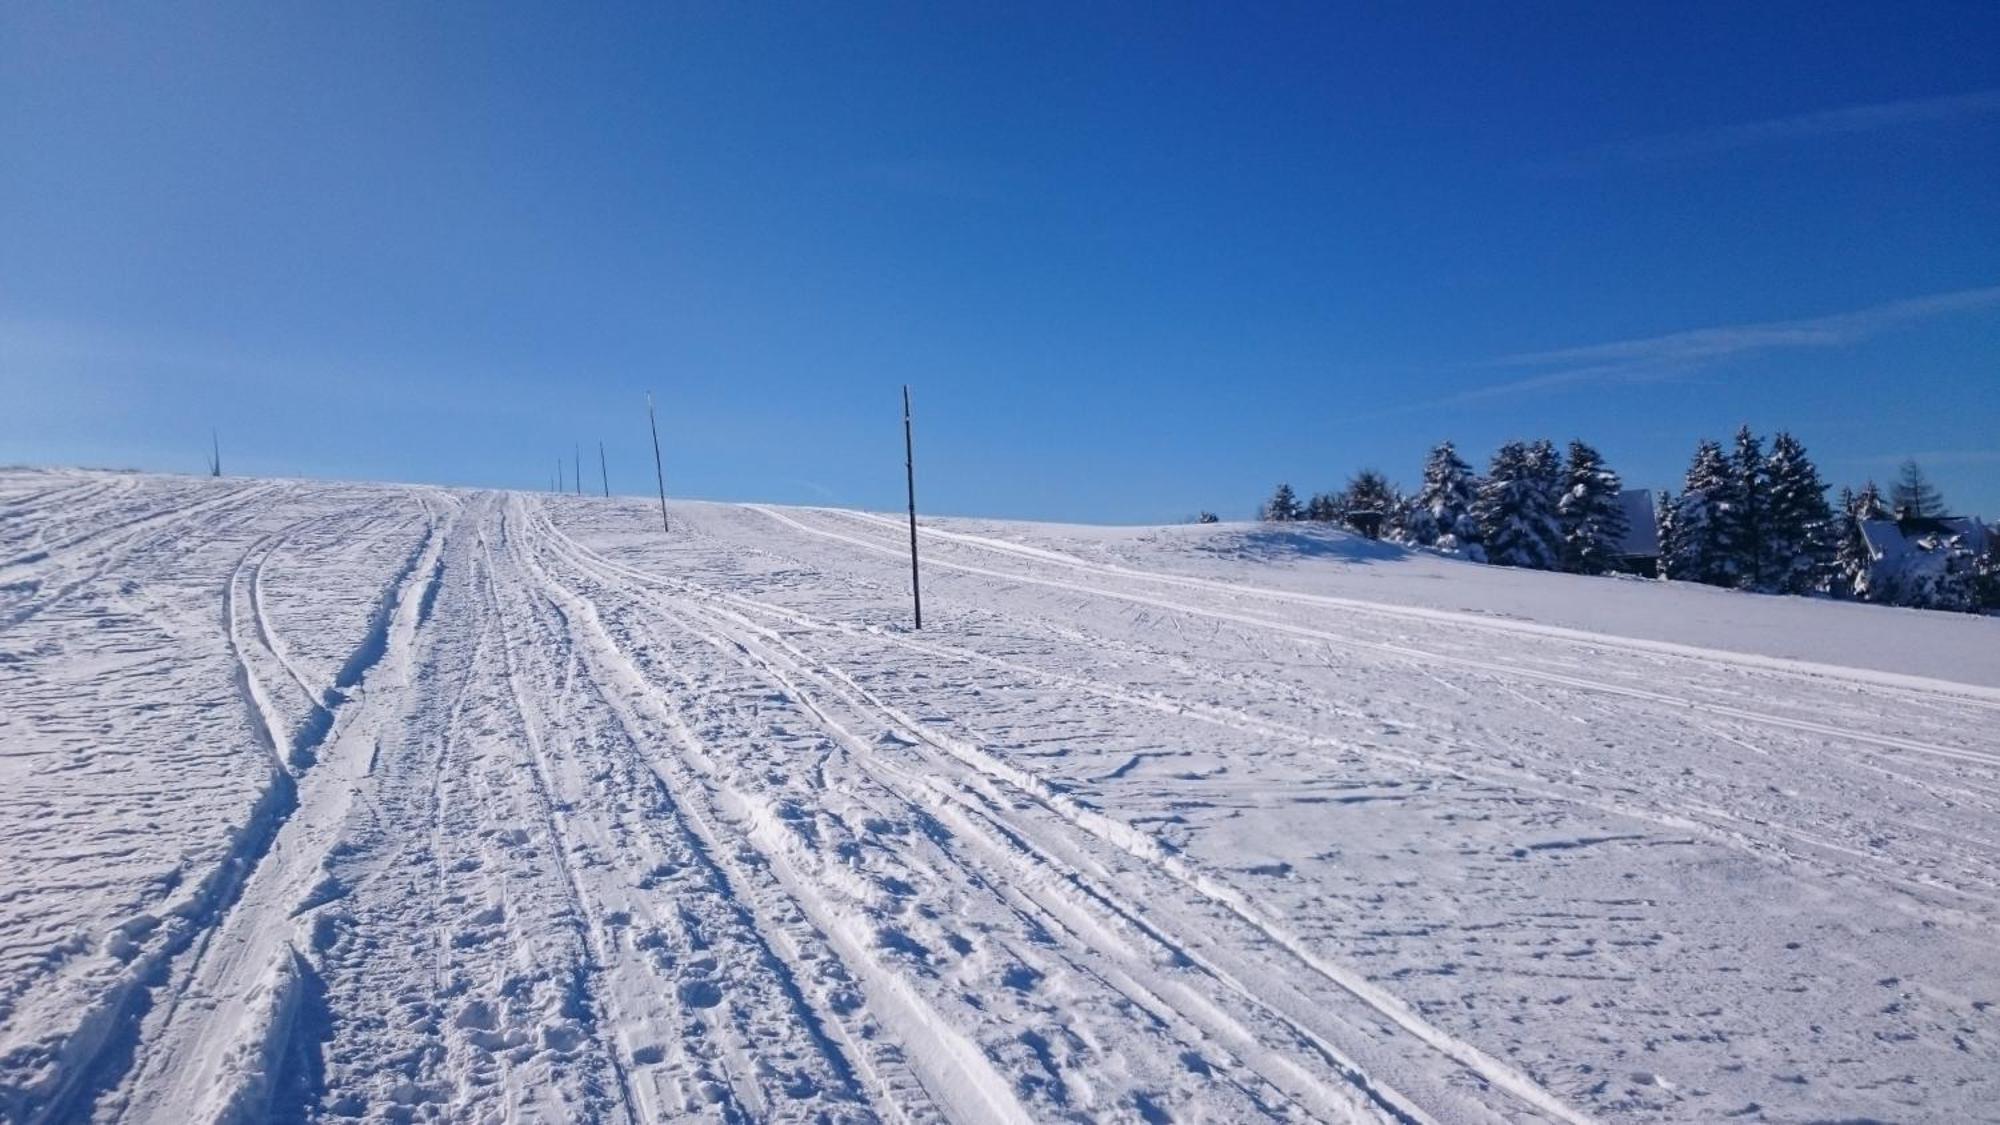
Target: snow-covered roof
{"x":1890,"y":540}
{"x":1642,"y":532}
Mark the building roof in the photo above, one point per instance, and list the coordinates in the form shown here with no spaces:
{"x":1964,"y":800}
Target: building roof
{"x":1892,"y":539}
{"x":1642,"y":530}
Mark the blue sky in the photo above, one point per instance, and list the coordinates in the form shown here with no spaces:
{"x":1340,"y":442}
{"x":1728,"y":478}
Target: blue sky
{"x":1135,"y":260}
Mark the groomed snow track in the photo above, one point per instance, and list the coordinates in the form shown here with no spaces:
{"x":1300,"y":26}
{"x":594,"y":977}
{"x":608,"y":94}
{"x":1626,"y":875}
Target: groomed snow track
{"x":341,"y":802}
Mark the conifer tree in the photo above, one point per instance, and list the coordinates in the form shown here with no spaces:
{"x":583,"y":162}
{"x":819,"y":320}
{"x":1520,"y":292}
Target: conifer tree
{"x":1441,"y":513}
{"x":1545,"y":465}
{"x":1590,"y":513}
{"x":1283,"y":506}
{"x":1869,"y":505}
{"x":1749,"y":514}
{"x":1326,"y":507}
{"x":1913,"y":494}
{"x":1368,"y":491}
{"x":1986,"y":576}
{"x":1703,"y":522}
{"x":1667,"y":529}
{"x":1515,"y":511}
{"x":1800,"y":536}
{"x":1850,"y":559}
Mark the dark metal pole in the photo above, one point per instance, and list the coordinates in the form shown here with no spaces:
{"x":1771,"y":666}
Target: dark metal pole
{"x":576,"y":451}
{"x":215,"y":463}
{"x":910,"y":479}
{"x":602,"y":471}
{"x":559,"y":476}
{"x":659,"y":471}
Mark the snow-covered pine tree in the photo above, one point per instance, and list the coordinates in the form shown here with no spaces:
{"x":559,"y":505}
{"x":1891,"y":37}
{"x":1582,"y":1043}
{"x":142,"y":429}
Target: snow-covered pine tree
{"x":1591,"y":516}
{"x":1801,"y":537}
{"x":1986,"y":575}
{"x":1704,"y":539}
{"x":1282,"y":507}
{"x":1368,"y":491}
{"x":1441,"y":514}
{"x":1750,"y":512}
{"x":1850,"y":558}
{"x":1397,"y":527}
{"x":1515,"y":511}
{"x":1868,"y":503}
{"x":1325,"y":507}
{"x":1668,"y":530}
{"x":1913,"y":494}
{"x":1546,"y":465}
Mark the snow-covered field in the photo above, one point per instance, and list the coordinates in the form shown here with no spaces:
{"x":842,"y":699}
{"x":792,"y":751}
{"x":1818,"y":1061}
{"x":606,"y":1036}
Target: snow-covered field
{"x":348,"y":801}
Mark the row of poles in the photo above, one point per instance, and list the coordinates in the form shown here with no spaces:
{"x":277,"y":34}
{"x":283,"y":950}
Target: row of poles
{"x":604,"y":473}
{"x":660,"y":477}
{"x":558,"y":483}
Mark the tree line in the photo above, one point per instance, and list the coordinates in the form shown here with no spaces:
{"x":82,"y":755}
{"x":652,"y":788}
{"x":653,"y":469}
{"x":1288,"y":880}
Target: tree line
{"x":1746,"y":518}
{"x":1534,"y":508}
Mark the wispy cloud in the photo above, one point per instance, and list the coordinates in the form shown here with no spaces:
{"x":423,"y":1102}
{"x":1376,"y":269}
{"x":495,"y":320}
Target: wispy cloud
{"x":1930,"y":457}
{"x":1845,"y":121}
{"x":1655,"y":358}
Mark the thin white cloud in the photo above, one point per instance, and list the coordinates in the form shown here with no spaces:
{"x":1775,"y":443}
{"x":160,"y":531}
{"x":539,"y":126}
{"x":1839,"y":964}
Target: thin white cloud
{"x":1845,"y":121}
{"x":1931,"y":457}
{"x":1653,"y":358}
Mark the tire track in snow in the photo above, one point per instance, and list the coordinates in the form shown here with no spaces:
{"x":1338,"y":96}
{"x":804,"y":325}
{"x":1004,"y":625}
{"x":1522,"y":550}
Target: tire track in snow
{"x":959,"y":1079}
{"x":965,"y":814}
{"x":130,"y":536}
{"x":1922,"y":686}
{"x":1425,"y":656}
{"x":1144,"y":847}
{"x":1129,"y":841}
{"x":1751,"y":838}
{"x":761,"y":969}
{"x":216,"y":1059}
{"x":1066,"y":918}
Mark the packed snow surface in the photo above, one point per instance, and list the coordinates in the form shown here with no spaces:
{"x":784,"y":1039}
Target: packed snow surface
{"x":340,"y":801}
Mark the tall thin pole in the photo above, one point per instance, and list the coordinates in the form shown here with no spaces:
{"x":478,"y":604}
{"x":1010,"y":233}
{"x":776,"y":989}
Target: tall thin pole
{"x":577,"y":452}
{"x":910,"y":478}
{"x":659,"y":470}
{"x":215,"y":460}
{"x":602,"y":471}
{"x":559,"y":476}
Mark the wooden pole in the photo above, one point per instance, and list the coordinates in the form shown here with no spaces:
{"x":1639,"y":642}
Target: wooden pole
{"x":659,"y":470}
{"x":602,"y":471}
{"x":910,"y":479}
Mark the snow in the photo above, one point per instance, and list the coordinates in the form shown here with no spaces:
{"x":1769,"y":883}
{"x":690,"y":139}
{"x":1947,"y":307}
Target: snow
{"x":376,"y":802}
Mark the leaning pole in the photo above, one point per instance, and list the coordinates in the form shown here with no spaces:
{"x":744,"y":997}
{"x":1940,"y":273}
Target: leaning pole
{"x":659,"y":470}
{"x":910,"y":480}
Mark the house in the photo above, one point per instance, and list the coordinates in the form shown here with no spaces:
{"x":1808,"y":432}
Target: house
{"x":1639,"y":553}
{"x":1925,"y":561}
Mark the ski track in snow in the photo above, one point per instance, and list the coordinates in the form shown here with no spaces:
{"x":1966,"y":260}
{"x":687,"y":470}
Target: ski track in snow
{"x":363,"y":802}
